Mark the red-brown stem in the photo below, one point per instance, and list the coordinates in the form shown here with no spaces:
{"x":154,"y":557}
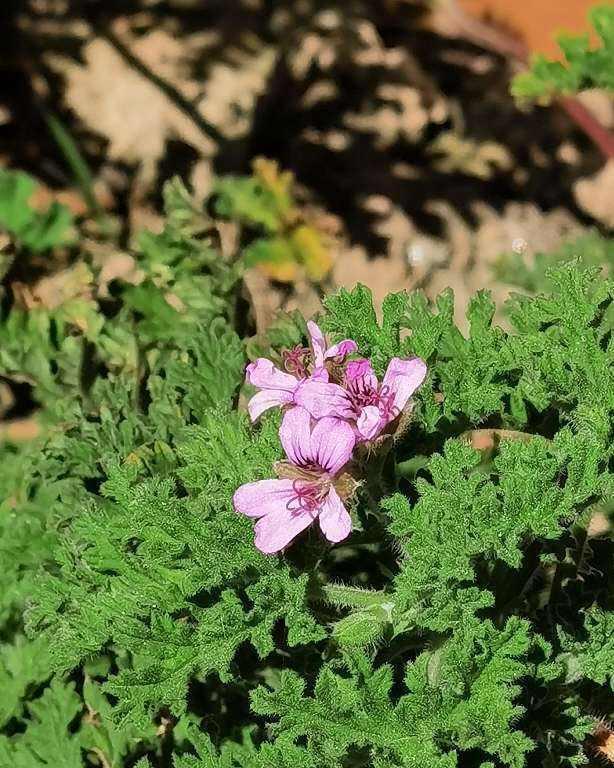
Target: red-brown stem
{"x":458,"y":23}
{"x":585,"y":120}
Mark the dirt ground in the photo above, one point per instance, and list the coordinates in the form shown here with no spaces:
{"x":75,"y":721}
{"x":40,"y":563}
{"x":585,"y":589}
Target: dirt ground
{"x":395,"y":118}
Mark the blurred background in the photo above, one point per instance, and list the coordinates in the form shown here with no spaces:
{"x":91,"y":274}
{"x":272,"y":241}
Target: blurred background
{"x":385,"y":130}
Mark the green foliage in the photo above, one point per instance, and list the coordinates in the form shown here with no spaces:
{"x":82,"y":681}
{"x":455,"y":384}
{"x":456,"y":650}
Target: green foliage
{"x":352,"y":313}
{"x":186,"y":279}
{"x":47,"y":740}
{"x":462,"y":515}
{"x":100,"y":735}
{"x":493,"y":374}
{"x":591,"y":657}
{"x":465,"y":622}
{"x":35,"y":230}
{"x":23,"y":665}
{"x":583,"y":68}
{"x":461,"y":691}
{"x":242,"y":755}
{"x":62,"y":725}
{"x":498,"y":533}
{"x":185,"y":284}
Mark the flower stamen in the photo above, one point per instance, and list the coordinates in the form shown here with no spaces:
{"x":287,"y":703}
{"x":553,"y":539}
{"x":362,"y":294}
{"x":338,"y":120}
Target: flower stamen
{"x":297,"y":361}
{"x":308,"y":497}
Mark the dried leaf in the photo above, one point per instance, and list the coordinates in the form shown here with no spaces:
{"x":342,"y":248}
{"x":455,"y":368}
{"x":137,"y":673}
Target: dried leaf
{"x":118,"y":266}
{"x":56,"y":290}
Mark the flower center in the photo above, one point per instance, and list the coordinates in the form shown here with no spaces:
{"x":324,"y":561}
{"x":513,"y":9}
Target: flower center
{"x":297,"y":361}
{"x":362,"y":393}
{"x":310,"y":486}
{"x":386,"y":405}
{"x":309,"y":496}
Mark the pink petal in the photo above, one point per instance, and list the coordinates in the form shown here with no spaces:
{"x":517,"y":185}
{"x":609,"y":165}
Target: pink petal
{"x":319,"y":374}
{"x":267,"y":398}
{"x":332,"y":443}
{"x":363,"y":370}
{"x":368,"y":423}
{"x":335,"y":521}
{"x":263,"y":497}
{"x":318,"y":343}
{"x":264,"y":375}
{"x":342,"y":349}
{"x":322,"y":399}
{"x":295,"y":435}
{"x":402,"y":379}
{"x":277,"y":529}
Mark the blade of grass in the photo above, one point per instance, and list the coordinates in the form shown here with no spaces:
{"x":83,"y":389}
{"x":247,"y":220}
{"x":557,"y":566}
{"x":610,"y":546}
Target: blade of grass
{"x":79,"y":167}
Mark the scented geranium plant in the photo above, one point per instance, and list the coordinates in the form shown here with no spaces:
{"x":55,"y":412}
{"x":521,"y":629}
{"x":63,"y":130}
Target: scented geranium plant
{"x":398,"y":555}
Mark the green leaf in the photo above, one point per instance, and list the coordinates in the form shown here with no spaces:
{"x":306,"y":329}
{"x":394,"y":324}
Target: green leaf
{"x":37,"y":231}
{"x":100,"y":734}
{"x":593,"y":656}
{"x":350,"y":314}
{"x":23,"y":665}
{"x":47,"y":742}
{"x":249,"y":201}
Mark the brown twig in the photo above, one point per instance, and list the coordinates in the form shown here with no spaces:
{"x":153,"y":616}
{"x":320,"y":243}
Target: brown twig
{"x":584,"y":119}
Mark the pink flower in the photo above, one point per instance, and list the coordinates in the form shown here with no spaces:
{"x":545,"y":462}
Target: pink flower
{"x":362,"y":399}
{"x":301,"y":363}
{"x":306,"y":492}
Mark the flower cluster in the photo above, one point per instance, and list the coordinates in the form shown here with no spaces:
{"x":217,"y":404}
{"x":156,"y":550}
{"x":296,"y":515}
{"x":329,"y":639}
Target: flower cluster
{"x":332,"y":404}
